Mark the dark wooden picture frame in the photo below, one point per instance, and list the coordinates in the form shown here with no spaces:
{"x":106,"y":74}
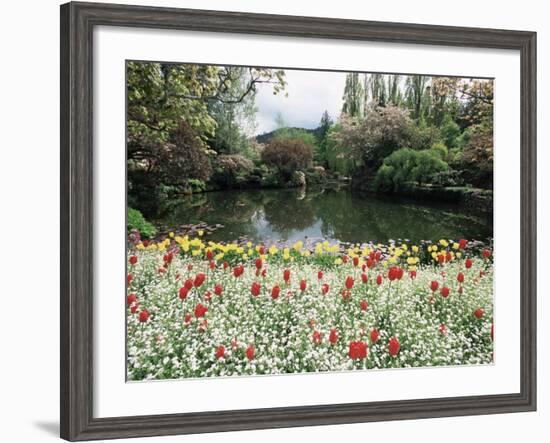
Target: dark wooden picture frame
{"x":77,"y":214}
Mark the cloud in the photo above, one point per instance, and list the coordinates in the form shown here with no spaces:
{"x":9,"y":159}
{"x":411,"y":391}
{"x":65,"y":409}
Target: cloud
{"x":310,"y":93}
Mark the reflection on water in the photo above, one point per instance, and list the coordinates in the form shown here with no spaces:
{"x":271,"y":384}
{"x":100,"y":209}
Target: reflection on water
{"x":291,"y":215}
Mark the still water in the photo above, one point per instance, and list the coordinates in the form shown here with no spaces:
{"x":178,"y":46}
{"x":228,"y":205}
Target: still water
{"x":265,"y":216}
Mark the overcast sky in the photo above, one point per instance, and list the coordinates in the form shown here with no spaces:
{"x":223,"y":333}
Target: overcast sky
{"x":310,"y":93}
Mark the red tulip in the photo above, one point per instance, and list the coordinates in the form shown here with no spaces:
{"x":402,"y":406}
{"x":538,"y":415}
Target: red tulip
{"x":302,"y":285}
{"x":200,"y":310}
{"x":379,"y":280}
{"x":238,"y":270}
{"x":364,"y":305}
{"x":220,"y":352}
{"x":129,"y":279}
{"x":462,"y":243}
{"x":286,"y":275}
{"x":445,"y":291}
{"x":188,"y":284}
{"x":393,"y":346}
{"x":255,"y":289}
{"x":468,"y":263}
{"x":374,"y":335}
{"x":183,"y":293}
{"x":346,"y":294}
{"x":442,"y":329}
{"x":259,"y":263}
{"x":395,"y":273}
{"x":316,"y":337}
{"x":134,"y":307}
{"x":275,"y":291}
{"x":199,"y":279}
{"x":349,"y":282}
{"x":434,"y":285}
{"x":460,"y":277}
{"x":333,"y":336}
{"x":262,"y":250}
{"x":189,"y":267}
{"x":250,"y":352}
{"x":168,"y":258}
{"x":143,"y":316}
{"x":325,"y":288}
{"x":207,"y":295}
{"x":355,"y":261}
{"x":364,"y":278}
{"x":131,"y":298}
{"x":209,"y":254}
{"x":187,"y":319}
{"x":225,"y":265}
{"x":370,"y":263}
{"x":412,"y":274}
{"x":345,"y":259}
{"x":264,"y":272}
{"x":479,"y":312}
{"x":357,"y":350}
{"x":133,"y":260}
{"x":486,"y":253}
{"x":440,"y":258}
{"x":218,"y":289}
{"x":212,"y":265}
{"x":320,"y":275}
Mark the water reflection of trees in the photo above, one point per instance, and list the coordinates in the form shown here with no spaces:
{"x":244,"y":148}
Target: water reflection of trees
{"x":286,"y":211}
{"x":342,"y":215}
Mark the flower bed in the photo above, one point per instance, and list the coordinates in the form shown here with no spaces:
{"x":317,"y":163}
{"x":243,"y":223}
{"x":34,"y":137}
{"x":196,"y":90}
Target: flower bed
{"x":200,"y":309}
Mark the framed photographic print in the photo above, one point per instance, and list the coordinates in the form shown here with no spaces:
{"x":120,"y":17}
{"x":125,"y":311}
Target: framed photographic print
{"x":273,"y":221}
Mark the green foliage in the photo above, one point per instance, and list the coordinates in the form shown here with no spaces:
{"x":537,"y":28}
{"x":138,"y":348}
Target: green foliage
{"x":450,"y":132}
{"x":440,"y":150}
{"x":286,"y":133}
{"x":477,"y":155}
{"x":353,"y":95}
{"x":423,"y":136}
{"x":136,"y":221}
{"x":322,"y":133}
{"x":428,"y":163}
{"x":405,"y":166}
{"x":339,"y":157}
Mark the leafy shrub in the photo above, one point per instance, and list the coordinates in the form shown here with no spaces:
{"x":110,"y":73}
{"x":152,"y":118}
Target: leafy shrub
{"x":450,"y":132}
{"x":406,"y":165}
{"x":440,"y":150}
{"x":339,"y":158}
{"x":424,"y":137}
{"x":428,"y":163}
{"x":136,"y":221}
{"x":287,"y":155}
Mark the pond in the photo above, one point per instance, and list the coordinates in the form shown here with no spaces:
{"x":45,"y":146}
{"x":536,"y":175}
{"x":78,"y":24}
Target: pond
{"x":265,"y":216}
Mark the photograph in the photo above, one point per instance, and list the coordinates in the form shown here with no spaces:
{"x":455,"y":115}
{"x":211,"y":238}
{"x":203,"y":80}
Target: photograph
{"x":294,"y":221}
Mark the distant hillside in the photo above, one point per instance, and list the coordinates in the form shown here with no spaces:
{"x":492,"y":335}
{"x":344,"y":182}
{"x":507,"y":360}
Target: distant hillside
{"x":266,"y":136}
